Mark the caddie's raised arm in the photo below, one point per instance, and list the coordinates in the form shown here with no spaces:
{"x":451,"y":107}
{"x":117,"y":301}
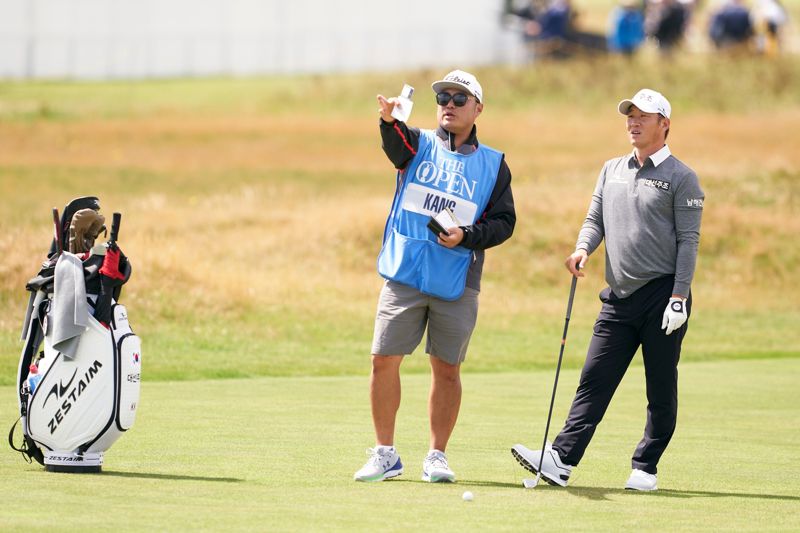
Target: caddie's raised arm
{"x":399,"y":142}
{"x":386,"y":108}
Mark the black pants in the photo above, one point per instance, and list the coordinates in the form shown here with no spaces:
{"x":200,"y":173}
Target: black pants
{"x":622,"y":326}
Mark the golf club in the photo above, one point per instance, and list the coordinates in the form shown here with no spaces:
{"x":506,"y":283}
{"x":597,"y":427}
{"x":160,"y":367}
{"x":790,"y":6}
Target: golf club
{"x":531,"y":483}
{"x":58,"y":232}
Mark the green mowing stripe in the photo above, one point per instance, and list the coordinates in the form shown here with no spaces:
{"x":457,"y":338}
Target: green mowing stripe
{"x":279,"y":454}
{"x":337,"y":344}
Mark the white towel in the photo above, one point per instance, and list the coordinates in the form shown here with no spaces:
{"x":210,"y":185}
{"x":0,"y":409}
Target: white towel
{"x":69,"y":312}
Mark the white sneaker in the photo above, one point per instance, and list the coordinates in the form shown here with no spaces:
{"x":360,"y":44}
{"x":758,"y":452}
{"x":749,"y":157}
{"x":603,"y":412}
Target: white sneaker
{"x":641,"y":480}
{"x":383,"y":463}
{"x":435,"y":469}
{"x":554,"y":471}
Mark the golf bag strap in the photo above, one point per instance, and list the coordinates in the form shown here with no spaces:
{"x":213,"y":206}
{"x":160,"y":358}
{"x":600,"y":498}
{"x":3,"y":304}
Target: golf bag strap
{"x":11,"y":438}
{"x":28,"y":449}
{"x":35,"y":337}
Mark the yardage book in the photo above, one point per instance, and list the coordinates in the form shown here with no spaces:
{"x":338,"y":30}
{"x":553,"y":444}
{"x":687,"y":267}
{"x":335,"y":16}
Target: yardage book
{"x":442,"y":222}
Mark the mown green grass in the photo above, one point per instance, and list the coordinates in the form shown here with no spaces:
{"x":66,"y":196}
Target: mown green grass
{"x":283,"y":342}
{"x":278,"y":454}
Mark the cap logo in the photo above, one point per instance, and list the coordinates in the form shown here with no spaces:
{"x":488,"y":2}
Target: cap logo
{"x":457,"y":80}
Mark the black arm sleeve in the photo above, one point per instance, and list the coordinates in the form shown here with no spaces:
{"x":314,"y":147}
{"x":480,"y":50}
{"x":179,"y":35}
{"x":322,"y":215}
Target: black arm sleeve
{"x":497,"y":222}
{"x":399,"y":142}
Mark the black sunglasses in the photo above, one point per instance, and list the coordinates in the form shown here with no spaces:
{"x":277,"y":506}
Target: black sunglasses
{"x":459,"y":99}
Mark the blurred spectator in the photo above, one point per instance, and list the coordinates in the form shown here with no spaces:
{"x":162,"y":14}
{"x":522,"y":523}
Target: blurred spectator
{"x":551,"y":29}
{"x":555,"y":21}
{"x":529,"y":13}
{"x":731,"y":25}
{"x":626,"y":32}
{"x":667,"y":23}
{"x":770,"y":17}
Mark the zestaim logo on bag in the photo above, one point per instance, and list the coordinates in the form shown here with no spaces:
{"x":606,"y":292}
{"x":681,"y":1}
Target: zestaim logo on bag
{"x":68,"y":399}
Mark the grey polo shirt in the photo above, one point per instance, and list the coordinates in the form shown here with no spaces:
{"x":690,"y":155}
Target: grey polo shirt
{"x":649,"y":217}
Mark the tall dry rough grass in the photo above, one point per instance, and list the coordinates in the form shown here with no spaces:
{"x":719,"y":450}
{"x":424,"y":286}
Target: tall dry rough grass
{"x":237,"y":205}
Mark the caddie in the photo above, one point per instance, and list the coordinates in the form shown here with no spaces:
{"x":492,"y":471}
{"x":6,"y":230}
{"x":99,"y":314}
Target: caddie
{"x":433,"y":280}
{"x":647,"y":207}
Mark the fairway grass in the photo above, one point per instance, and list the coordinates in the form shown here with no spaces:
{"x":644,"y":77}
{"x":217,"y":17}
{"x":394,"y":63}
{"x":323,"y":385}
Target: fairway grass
{"x":278,"y":454}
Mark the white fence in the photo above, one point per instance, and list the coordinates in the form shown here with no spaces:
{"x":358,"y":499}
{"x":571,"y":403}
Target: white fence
{"x":108,"y":39}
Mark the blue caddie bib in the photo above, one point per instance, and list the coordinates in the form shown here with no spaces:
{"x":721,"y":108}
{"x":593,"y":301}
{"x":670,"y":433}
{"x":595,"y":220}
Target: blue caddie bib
{"x":434,"y":179}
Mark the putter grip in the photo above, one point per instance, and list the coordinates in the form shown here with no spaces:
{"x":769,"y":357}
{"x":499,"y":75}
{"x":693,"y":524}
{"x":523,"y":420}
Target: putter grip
{"x":115,"y":226}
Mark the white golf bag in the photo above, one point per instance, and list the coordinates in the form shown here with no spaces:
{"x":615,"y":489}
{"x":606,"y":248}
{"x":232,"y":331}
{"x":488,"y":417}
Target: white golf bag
{"x":76,"y":397}
{"x":83,"y":404}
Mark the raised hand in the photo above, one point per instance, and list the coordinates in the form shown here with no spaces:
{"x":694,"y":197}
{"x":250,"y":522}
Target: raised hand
{"x":386,"y":107}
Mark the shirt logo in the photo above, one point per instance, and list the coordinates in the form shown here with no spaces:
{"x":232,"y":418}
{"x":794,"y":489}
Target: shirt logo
{"x":448,"y":177}
{"x":694,"y":202}
{"x":658,"y":184}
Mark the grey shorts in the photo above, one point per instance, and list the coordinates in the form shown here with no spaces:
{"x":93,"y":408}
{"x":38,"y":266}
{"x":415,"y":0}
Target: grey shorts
{"x":403,"y":313}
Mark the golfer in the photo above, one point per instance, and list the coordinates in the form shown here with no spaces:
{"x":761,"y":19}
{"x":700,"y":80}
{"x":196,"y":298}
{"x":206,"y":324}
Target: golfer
{"x":433,"y":279}
{"x":647,"y":206}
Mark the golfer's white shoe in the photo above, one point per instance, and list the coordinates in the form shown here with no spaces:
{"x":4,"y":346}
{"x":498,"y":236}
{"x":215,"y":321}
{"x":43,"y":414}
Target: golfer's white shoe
{"x":641,"y":480}
{"x":383,"y":463}
{"x":435,"y":469}
{"x":554,"y":471}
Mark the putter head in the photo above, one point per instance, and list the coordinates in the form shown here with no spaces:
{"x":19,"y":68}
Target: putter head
{"x":529,"y":483}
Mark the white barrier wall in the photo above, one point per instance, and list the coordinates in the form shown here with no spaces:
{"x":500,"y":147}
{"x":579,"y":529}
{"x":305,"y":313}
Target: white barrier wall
{"x":107,"y":39}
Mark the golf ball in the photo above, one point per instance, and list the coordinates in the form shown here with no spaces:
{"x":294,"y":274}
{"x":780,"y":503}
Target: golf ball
{"x":467,"y":496}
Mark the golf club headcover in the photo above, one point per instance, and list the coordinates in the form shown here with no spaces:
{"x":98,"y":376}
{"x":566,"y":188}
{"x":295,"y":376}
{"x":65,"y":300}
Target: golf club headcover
{"x":674,"y":315}
{"x":84,"y":228}
{"x":111,"y":262}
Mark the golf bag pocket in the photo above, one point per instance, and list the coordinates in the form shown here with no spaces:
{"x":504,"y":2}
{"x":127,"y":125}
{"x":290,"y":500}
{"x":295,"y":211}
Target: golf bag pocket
{"x":129,"y":357}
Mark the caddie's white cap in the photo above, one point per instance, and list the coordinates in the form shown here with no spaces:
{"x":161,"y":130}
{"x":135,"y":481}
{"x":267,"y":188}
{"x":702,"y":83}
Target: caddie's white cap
{"x":647,"y":100}
{"x":458,"y":79}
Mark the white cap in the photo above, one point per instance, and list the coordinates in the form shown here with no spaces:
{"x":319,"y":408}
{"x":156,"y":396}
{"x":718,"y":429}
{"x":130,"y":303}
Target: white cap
{"x":647,"y":100}
{"x":458,"y":79}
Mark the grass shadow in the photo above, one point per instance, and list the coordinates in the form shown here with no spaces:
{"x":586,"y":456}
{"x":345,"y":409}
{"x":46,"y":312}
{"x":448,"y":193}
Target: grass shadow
{"x":707,"y":494}
{"x":173,"y":477}
{"x":602,"y":493}
{"x":460,"y":482}
{"x":499,"y":484}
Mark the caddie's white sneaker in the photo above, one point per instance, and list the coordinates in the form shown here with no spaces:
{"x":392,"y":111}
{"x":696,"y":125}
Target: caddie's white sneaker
{"x":383,"y":463}
{"x":554,"y":471}
{"x":435,"y":469}
{"x":641,"y":480}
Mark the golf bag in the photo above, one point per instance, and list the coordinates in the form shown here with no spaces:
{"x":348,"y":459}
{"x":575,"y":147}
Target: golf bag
{"x":80,"y":367}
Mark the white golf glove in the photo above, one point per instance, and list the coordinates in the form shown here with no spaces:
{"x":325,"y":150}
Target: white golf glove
{"x":674,"y":315}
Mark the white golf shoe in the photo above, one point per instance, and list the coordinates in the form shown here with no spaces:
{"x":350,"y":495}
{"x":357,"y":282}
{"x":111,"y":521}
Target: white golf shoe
{"x":554,"y":471}
{"x":383,"y":463}
{"x":641,"y":480}
{"x":435,"y":469}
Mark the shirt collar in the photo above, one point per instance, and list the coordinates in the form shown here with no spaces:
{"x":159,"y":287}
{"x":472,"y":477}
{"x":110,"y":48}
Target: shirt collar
{"x":660,"y":156}
{"x":657,"y":158}
{"x":467,"y":148}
